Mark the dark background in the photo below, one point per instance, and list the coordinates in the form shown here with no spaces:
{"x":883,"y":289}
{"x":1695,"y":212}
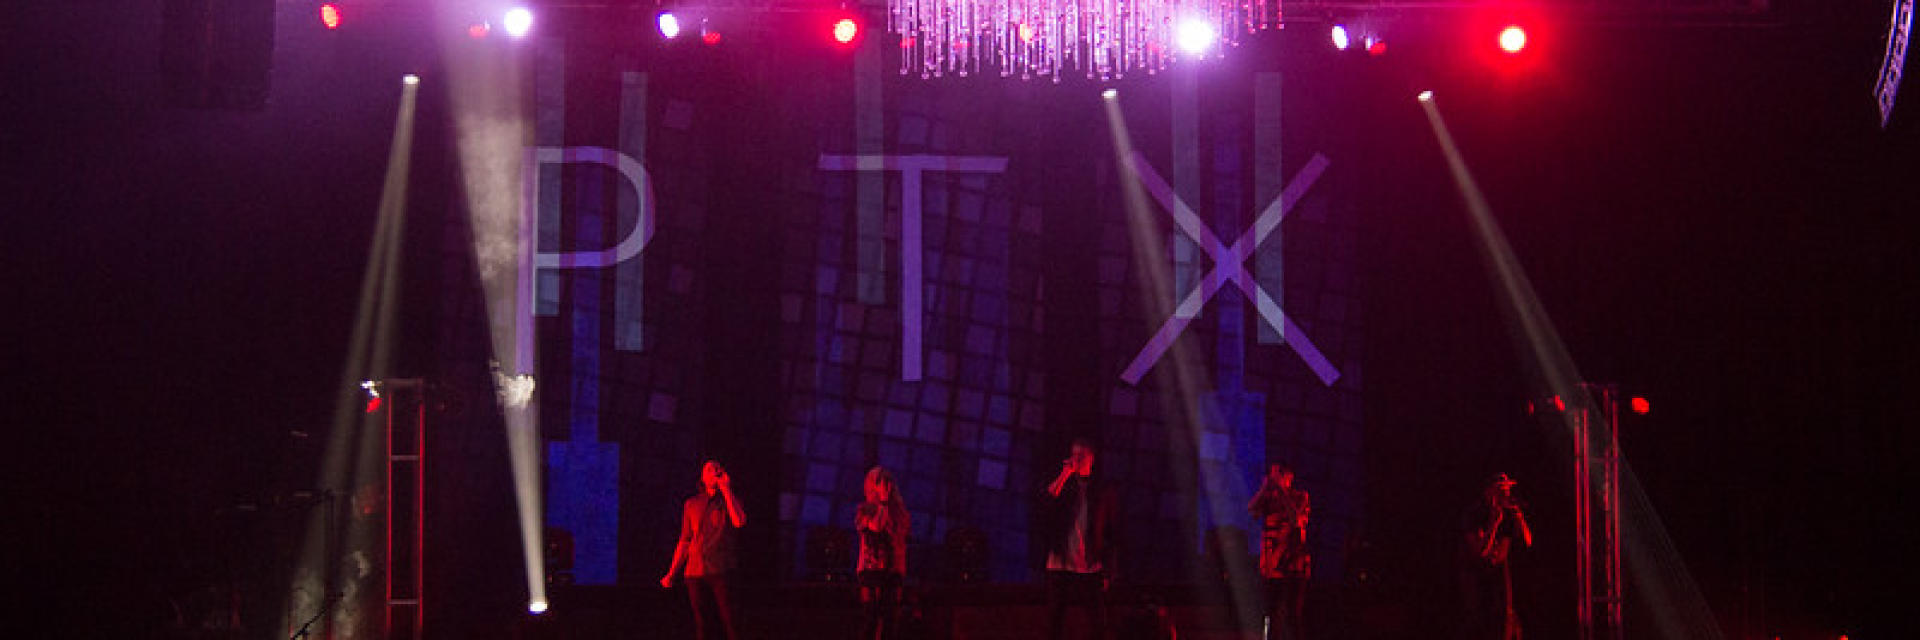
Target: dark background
{"x":1711,"y":216}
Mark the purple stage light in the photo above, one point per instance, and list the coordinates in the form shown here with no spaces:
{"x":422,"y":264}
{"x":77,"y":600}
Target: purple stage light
{"x":1194,"y":37}
{"x":669,"y":25}
{"x":517,"y":21}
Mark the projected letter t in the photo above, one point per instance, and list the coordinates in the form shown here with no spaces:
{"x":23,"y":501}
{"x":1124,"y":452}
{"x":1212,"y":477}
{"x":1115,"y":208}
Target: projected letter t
{"x":912,"y":309}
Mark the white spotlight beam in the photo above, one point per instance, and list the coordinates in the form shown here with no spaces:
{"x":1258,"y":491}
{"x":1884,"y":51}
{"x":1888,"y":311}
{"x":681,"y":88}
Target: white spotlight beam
{"x":1680,"y":611}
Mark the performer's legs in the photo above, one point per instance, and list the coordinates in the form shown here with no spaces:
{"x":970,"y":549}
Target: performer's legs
{"x":1293,"y":597}
{"x":1084,"y":591}
{"x":1276,"y":610}
{"x":1057,"y":594}
{"x":880,"y":596}
{"x":870,"y":626}
{"x":1510,"y":618}
{"x":723,"y":606}
{"x":1484,"y":603}
{"x":700,"y":599}
{"x":1095,"y":591}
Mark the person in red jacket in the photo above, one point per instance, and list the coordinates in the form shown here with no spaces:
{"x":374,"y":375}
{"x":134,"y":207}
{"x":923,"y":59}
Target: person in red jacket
{"x":705,"y":552}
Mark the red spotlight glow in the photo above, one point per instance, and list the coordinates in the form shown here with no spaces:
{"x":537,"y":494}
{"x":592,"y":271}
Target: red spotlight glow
{"x":1558,"y":404}
{"x":1513,"y":39}
{"x":710,"y":37}
{"x":1377,"y":47}
{"x":1641,"y":406}
{"x":845,"y":30}
{"x":373,"y":404}
{"x":478,"y":30}
{"x":330,"y":15}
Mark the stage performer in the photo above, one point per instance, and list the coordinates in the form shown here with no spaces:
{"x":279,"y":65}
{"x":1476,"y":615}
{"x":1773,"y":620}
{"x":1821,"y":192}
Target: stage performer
{"x":705,"y":552}
{"x":882,"y":522}
{"x":1492,"y":525}
{"x":1078,"y":516}
{"x":1285,"y":563}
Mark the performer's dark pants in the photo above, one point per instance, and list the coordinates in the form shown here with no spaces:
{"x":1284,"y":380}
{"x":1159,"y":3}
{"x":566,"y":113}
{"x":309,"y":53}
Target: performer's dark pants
{"x":880,"y":597}
{"x":1084,"y":590}
{"x":1286,"y":599}
{"x":710,"y":599}
{"x":1488,"y":603}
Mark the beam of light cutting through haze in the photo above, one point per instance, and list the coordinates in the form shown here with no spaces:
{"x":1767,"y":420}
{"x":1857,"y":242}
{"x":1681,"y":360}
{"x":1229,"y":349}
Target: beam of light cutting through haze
{"x":1659,"y":576}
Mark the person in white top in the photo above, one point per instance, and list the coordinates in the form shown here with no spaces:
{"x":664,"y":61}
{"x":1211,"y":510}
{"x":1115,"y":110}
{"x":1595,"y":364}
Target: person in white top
{"x":1079,"y":517}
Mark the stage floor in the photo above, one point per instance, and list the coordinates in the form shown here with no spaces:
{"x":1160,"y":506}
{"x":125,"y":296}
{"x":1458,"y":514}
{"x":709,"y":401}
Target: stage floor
{"x":940,"y":612}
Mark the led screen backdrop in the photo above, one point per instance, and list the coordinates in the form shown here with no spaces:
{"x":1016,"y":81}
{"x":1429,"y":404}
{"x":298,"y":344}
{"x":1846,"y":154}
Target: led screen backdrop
{"x":761,"y":319}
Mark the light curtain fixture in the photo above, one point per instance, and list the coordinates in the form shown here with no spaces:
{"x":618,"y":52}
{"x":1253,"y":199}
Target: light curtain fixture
{"x":1105,"y":39}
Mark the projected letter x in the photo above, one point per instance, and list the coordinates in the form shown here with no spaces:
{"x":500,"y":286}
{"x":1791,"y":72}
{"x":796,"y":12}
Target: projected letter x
{"x":1229,"y":264}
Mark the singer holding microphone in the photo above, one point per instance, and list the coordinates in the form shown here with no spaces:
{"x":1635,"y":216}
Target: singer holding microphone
{"x":1285,"y":564}
{"x":883,"y":522}
{"x":705,"y":554}
{"x":1492,"y":525}
{"x":1078,"y":514}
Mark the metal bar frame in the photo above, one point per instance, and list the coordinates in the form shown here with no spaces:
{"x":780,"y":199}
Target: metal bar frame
{"x":1603,"y":400}
{"x":413,"y":584}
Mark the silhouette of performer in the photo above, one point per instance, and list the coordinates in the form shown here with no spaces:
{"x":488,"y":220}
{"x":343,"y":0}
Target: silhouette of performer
{"x":882,"y":522}
{"x":1492,"y":525}
{"x":705,"y":552}
{"x":1285,"y":563}
{"x":1079,"y":514}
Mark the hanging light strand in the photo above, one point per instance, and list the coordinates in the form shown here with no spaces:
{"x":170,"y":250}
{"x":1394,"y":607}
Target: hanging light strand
{"x":1105,"y":39}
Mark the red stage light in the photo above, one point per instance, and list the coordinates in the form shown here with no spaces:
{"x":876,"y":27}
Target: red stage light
{"x":845,"y":30}
{"x":1513,"y":39}
{"x":1641,"y":405}
{"x":330,"y":15}
{"x":1377,"y":47}
{"x":1558,"y":404}
{"x":710,"y":37}
{"x":373,"y":404}
{"x":478,"y":30}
